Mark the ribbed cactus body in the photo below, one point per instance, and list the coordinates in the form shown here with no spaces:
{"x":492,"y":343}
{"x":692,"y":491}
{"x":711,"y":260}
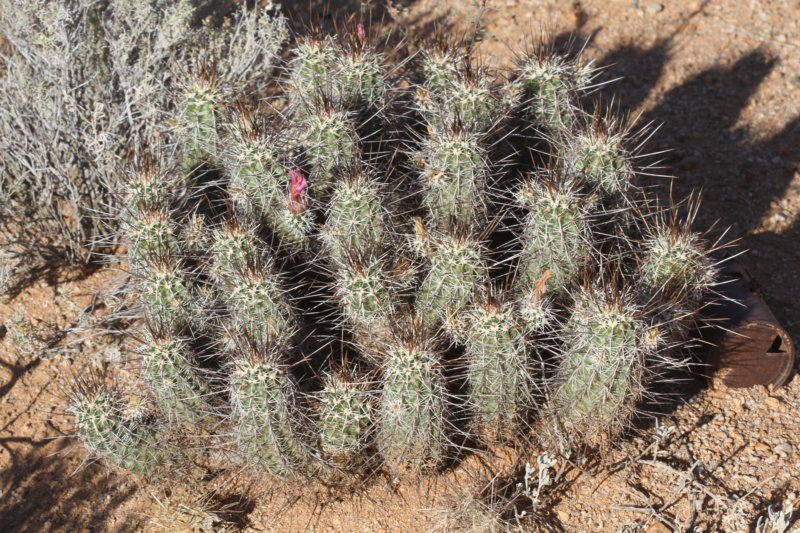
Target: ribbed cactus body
{"x":235,"y":251}
{"x":258,"y":309}
{"x":440,"y":69}
{"x":547,"y":90}
{"x":177,"y":388}
{"x":675,"y":273}
{"x":126,"y":441}
{"x":600,"y":161}
{"x":535,"y":311}
{"x":675,"y":262}
{"x":471,"y":104}
{"x":556,"y":236}
{"x":440,"y":73}
{"x":151,"y":239}
{"x":498,"y":371}
{"x":456,"y":274}
{"x":454,"y":176}
{"x":148,"y":191}
{"x":345,"y":420}
{"x":200,"y":115}
{"x":601,"y":375}
{"x":363,"y":292}
{"x":413,"y":407}
{"x":312,"y":69}
{"x":257,"y":179}
{"x":330,"y":143}
{"x":196,"y":237}
{"x":168,"y":303}
{"x":360,"y":79}
{"x":269,"y":426}
{"x":294,"y":227}
{"x":355,"y":224}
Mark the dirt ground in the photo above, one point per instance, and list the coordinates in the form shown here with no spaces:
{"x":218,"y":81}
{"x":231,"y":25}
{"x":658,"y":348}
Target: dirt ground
{"x":722,"y":78}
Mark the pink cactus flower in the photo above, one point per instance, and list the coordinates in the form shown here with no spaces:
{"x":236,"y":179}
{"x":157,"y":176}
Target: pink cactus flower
{"x":298,"y":184}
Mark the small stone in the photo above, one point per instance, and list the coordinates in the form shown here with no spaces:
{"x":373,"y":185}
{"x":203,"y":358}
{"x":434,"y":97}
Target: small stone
{"x":654,"y":8}
{"x":658,"y":527}
{"x":563,"y":516}
{"x":773,"y":403}
{"x":784,"y":448}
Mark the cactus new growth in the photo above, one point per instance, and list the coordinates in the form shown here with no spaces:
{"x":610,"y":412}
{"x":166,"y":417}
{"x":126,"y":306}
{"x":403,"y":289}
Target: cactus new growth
{"x":600,"y":160}
{"x":330,"y":143}
{"x":454,"y":175}
{"x":258,"y":309}
{"x":312,"y":68}
{"x":675,"y":260}
{"x":152,"y":239}
{"x":548,"y":85}
{"x":390,"y":258}
{"x":167,"y":299}
{"x":234,"y":252}
{"x":360,"y":80}
{"x":472,"y":105}
{"x":355,"y":219}
{"x":440,"y":68}
{"x":257,"y":175}
{"x":457,"y":273}
{"x":148,"y":191}
{"x":364,"y":294}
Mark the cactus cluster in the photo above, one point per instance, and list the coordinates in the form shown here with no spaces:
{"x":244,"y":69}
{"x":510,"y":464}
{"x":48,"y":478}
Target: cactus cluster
{"x":410,"y":255}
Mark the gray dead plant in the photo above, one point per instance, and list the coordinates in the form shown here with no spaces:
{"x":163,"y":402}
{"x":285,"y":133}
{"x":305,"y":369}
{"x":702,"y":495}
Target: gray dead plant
{"x":86,"y":85}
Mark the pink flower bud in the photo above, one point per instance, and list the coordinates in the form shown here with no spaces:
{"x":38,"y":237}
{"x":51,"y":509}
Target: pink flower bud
{"x":361,"y":33}
{"x":298,"y":184}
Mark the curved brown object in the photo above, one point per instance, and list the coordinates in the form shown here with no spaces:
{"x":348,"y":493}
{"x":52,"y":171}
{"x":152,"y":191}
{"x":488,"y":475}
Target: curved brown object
{"x":748,"y":345}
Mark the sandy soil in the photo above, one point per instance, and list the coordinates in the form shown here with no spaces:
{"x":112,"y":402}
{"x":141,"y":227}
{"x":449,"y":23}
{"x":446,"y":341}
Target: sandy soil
{"x":722,"y":77}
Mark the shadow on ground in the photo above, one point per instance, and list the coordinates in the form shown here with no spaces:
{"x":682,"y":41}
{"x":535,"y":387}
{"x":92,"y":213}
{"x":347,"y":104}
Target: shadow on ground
{"x":741,"y":177}
{"x":39,"y":491}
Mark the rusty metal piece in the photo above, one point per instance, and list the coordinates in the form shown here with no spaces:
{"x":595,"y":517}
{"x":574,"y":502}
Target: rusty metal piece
{"x":748,"y":345}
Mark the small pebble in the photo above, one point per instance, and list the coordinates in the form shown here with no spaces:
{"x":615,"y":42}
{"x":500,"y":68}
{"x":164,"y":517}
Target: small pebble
{"x":773,"y":403}
{"x":784,"y":448}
